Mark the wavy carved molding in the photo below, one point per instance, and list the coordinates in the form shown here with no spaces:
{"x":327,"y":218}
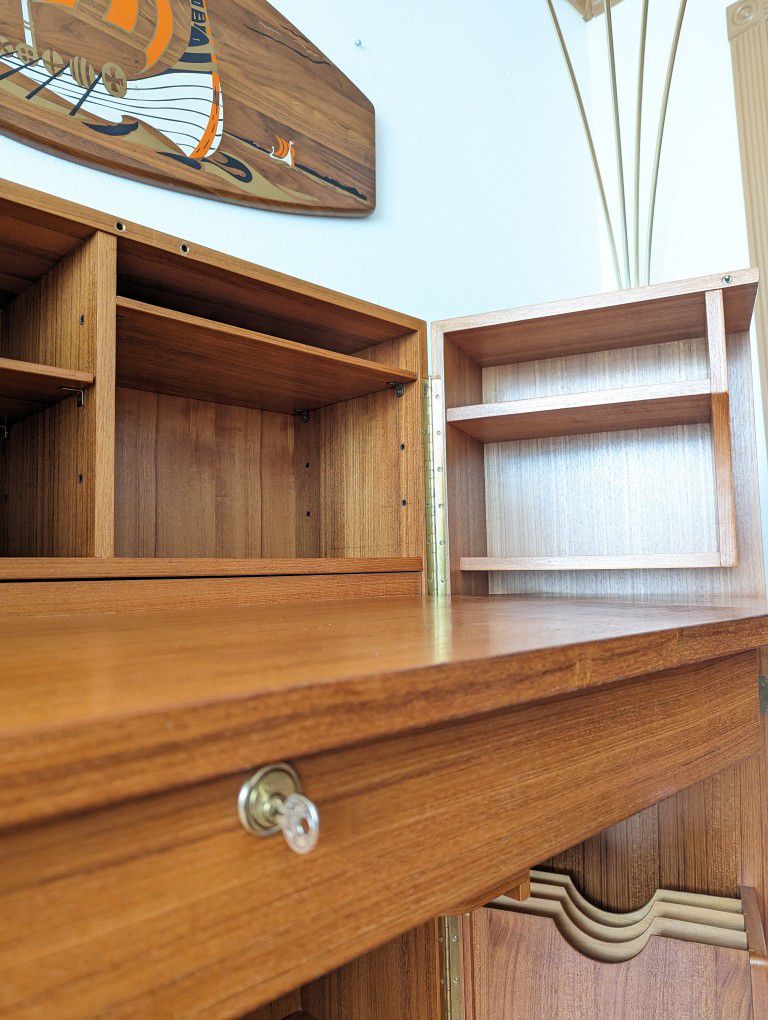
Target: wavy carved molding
{"x":615,"y":938}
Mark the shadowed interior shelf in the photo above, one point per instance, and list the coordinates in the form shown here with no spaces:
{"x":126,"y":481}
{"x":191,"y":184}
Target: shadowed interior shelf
{"x":171,"y":352}
{"x":26,"y":387}
{"x":636,"y":407}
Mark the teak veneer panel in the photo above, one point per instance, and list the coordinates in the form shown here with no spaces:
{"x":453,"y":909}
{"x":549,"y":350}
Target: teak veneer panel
{"x":207,"y":693}
{"x":60,"y":568}
{"x":637,"y":407}
{"x":26,"y":387}
{"x":195,"y":478}
{"x":163,"y":594}
{"x":524,"y":968}
{"x":172,"y":352}
{"x":400,"y":979}
{"x":643,"y":315}
{"x":180,"y":881}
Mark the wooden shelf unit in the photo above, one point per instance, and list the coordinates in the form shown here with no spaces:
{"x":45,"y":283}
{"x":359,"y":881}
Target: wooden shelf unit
{"x":240,"y":425}
{"x":26,"y":388}
{"x":625,"y":396}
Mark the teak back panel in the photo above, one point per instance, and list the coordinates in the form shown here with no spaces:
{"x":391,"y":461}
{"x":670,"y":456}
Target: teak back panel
{"x":369,"y":482}
{"x":59,"y":462}
{"x":195,"y":478}
{"x":669,"y":472}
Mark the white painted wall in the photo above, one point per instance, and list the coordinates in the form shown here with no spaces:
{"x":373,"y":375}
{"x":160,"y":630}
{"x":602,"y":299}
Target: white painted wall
{"x":700,"y":224}
{"x":485,"y":198}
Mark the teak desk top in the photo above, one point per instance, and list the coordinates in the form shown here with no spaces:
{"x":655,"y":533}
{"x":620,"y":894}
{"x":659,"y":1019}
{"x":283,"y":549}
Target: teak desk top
{"x":117,"y":706}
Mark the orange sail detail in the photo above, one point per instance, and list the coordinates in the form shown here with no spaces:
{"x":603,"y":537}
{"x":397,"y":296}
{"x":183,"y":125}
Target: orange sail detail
{"x":160,"y":41}
{"x":123,"y":14}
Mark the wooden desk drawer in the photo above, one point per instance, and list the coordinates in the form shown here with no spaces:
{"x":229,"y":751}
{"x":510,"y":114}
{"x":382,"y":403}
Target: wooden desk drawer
{"x":166,"y":907}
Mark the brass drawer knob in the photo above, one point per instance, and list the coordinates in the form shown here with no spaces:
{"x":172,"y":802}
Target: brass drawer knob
{"x":271,"y":801}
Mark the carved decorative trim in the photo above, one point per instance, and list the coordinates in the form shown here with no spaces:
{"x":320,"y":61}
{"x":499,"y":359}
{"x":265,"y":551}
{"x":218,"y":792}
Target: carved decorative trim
{"x":745,"y":15}
{"x":589,"y":9}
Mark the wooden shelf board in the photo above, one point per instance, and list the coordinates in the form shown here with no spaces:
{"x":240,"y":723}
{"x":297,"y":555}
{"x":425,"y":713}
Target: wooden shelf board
{"x":647,"y":561}
{"x":170,"y":352}
{"x":26,"y":387}
{"x":54,"y":568}
{"x":209,"y":693}
{"x":636,"y":407}
{"x":644,"y":315}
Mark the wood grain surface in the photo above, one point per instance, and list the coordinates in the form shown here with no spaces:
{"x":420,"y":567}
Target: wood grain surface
{"x":58,"y":568}
{"x":26,"y":388}
{"x":650,"y":315}
{"x":240,"y":82}
{"x":640,"y":407}
{"x":183,"y":687}
{"x":399,"y":979}
{"x":60,"y":471}
{"x":170,"y":594}
{"x":195,"y":478}
{"x":364,"y":487}
{"x":171,"y":352}
{"x":523,"y":968}
{"x":214,"y":921}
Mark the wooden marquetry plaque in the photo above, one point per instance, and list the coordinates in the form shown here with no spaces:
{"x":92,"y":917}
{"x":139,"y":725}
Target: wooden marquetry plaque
{"x":223,"y":98}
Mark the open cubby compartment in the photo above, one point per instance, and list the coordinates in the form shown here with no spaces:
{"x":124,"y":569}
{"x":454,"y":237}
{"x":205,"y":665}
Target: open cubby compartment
{"x":234,"y":421}
{"x":595,"y":435}
{"x":235,"y":445}
{"x":263,"y":425}
{"x":55,"y":394}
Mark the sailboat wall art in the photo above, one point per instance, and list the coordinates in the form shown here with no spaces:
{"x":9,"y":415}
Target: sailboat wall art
{"x":223,"y":98}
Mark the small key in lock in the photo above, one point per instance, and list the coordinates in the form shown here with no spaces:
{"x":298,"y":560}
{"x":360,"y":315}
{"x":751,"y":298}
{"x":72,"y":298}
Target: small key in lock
{"x":271,"y":801}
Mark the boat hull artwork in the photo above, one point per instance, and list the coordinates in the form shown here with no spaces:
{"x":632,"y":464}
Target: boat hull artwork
{"x":198,"y":95}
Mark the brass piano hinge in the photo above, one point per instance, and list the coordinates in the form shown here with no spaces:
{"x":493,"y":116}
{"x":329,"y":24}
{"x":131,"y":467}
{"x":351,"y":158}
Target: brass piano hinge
{"x":762,"y":686}
{"x":450,"y":967}
{"x":434,"y":455}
